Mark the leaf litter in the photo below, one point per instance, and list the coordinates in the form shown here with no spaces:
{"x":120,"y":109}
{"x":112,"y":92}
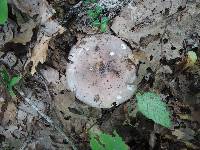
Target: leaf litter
{"x":35,"y":42}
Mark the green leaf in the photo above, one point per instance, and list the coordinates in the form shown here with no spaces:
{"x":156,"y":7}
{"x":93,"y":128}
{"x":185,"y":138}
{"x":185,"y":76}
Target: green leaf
{"x":95,"y":144}
{"x":9,"y":83}
{"x":5,"y":76}
{"x":92,"y":14}
{"x":93,"y":1}
{"x":11,"y":92}
{"x":103,"y":141}
{"x":3,"y":11}
{"x":103,"y":27}
{"x":14,"y":80}
{"x":98,"y":9}
{"x":96,"y":23}
{"x":104,"y":20}
{"x":104,"y":23}
{"x":152,"y":107}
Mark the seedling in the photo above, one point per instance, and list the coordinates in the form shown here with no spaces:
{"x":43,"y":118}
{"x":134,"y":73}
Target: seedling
{"x":95,"y":13}
{"x":101,"y":24}
{"x":3,"y":11}
{"x":103,"y":141}
{"x":97,"y":19}
{"x":9,"y":82}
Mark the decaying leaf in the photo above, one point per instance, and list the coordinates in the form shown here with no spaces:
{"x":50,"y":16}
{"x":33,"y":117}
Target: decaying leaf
{"x":26,"y":32}
{"x":51,"y":75}
{"x":48,"y":27}
{"x":191,"y":58}
{"x":9,"y":114}
{"x":184,"y":134}
{"x":39,"y":53}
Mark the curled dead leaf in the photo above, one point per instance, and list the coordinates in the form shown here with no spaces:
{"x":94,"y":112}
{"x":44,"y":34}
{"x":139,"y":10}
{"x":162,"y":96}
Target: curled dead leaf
{"x":39,"y":53}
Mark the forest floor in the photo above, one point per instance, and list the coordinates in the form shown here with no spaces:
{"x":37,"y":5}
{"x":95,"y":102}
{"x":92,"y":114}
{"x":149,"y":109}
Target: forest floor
{"x":45,"y":113}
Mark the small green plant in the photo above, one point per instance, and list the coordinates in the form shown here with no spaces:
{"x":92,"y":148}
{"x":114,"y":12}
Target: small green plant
{"x":95,"y":13}
{"x":152,"y":107}
{"x":9,"y":82}
{"x":102,"y":25}
{"x":96,"y":16}
{"x":3,"y":11}
{"x":103,"y":141}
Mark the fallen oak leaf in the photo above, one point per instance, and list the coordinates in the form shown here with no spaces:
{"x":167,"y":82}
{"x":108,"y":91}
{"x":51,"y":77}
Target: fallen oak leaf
{"x":49,"y":27}
{"x":40,"y":52}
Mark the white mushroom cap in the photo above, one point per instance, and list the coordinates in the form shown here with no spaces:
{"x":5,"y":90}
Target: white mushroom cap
{"x":100,"y":72}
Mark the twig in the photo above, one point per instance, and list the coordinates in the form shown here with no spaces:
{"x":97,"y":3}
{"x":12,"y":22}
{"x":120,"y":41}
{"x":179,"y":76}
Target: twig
{"x":45,"y":84}
{"x":48,"y":119}
{"x":25,"y":144}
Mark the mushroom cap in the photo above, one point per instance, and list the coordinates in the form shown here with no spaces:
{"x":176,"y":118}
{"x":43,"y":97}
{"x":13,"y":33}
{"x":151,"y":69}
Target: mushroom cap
{"x":100,"y":72}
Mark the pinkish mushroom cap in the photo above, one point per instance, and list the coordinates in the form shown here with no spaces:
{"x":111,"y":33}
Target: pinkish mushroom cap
{"x":100,"y":72}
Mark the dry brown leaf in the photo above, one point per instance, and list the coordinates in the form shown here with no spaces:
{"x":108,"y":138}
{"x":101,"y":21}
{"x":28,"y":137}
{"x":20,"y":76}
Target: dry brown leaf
{"x":49,"y":27}
{"x":63,"y":101}
{"x":178,"y":133}
{"x":51,"y":75}
{"x":185,"y":134}
{"x":26,"y":32}
{"x":39,"y":53}
{"x":10,"y":113}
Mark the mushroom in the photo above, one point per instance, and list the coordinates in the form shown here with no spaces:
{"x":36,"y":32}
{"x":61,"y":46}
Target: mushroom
{"x":100,"y":71}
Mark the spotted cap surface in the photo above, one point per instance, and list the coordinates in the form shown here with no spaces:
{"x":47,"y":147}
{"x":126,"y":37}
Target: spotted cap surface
{"x":100,"y":72}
